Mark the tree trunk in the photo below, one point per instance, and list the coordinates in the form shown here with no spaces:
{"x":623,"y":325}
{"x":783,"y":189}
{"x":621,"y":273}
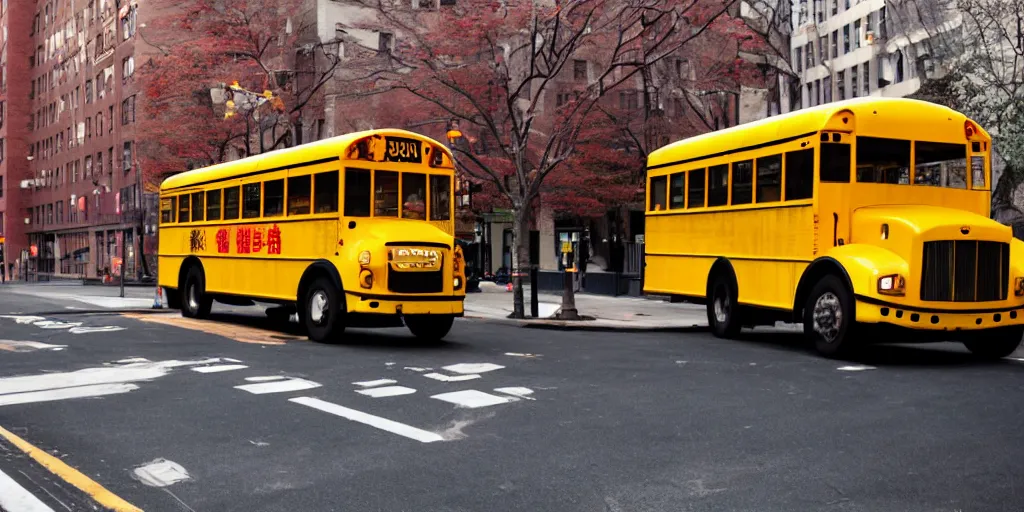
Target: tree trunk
{"x":520,"y":258}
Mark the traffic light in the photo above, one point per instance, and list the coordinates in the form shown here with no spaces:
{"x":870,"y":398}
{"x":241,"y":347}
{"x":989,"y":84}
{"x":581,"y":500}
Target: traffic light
{"x":230,"y":109}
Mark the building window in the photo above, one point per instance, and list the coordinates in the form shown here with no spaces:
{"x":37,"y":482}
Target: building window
{"x":867,"y":79}
{"x":846,"y":39}
{"x":110,"y":115}
{"x":385,"y":42}
{"x":854,"y":84}
{"x":579,"y":70}
{"x":841,"y":84}
{"x":128,"y":110}
{"x":127,"y":68}
{"x":126,"y":163}
{"x":835,"y":43}
{"x":856,"y":34}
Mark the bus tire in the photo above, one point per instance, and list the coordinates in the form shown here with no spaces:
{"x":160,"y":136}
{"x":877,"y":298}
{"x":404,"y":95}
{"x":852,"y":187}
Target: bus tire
{"x":723,"y":307}
{"x":321,"y":312}
{"x":195,"y":303}
{"x":429,"y":328}
{"x":829,"y":317}
{"x":996,"y":344}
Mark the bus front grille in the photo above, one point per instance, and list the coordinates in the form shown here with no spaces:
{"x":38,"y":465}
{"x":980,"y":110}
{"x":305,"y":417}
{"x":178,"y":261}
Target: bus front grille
{"x":415,"y":282}
{"x":965,"y":271}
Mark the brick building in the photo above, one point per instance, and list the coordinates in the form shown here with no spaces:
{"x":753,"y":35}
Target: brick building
{"x":73,"y":180}
{"x":15,"y":48}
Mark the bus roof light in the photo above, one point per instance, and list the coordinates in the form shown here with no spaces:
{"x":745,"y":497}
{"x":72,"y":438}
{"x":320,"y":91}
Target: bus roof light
{"x":969,"y":129}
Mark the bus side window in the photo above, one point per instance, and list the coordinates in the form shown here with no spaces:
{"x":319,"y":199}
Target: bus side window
{"x":213,"y":205}
{"x":231,"y":203}
{"x":167,"y":209}
{"x":197,"y":207}
{"x":440,"y":198}
{"x":769,"y":179}
{"x":742,"y":182}
{"x":183,"y":208}
{"x":357,"y":193}
{"x":718,"y":185}
{"x":251,"y":200}
{"x":882,"y":160}
{"x":273,"y":198}
{"x":658,"y":191}
{"x":800,"y":174}
{"x":834,"y":163}
{"x":695,"y":194}
{"x":385,"y":195}
{"x":325,"y":192}
{"x":299,"y":188}
{"x":677,"y":191}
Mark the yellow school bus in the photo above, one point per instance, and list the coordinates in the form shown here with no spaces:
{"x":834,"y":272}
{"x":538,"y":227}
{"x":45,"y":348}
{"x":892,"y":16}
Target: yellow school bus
{"x":351,"y":231}
{"x":861,"y":219}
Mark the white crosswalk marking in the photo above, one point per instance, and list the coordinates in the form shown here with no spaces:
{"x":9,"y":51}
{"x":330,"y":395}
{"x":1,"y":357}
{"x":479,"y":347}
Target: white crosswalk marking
{"x":14,"y":498}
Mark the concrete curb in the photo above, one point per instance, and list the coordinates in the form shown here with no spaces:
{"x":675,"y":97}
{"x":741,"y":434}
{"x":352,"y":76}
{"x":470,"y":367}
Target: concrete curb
{"x":582,"y":325}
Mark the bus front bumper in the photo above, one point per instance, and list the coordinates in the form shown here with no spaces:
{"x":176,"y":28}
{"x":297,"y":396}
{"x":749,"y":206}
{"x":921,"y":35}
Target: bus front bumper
{"x":872,"y":311}
{"x":409,"y":305}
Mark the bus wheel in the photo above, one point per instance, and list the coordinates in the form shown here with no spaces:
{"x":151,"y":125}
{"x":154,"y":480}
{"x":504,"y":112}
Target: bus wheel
{"x":196,"y":303}
{"x":996,"y":344}
{"x":429,"y":328}
{"x":322,"y":312}
{"x":829,"y":317}
{"x":723,"y":310}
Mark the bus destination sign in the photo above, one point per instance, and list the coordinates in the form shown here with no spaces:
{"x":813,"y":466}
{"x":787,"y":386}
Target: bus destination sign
{"x":401,"y":149}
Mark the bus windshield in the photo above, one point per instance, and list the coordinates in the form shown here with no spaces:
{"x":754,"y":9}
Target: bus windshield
{"x":935,"y":164}
{"x":400,"y":194}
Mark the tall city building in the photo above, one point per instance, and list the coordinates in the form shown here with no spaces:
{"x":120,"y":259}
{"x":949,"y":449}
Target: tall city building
{"x":77,"y":200}
{"x":15,"y":48}
{"x":848,"y":48}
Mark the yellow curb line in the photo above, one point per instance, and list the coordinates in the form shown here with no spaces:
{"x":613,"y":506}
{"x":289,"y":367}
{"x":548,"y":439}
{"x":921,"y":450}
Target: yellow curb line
{"x":71,"y":475}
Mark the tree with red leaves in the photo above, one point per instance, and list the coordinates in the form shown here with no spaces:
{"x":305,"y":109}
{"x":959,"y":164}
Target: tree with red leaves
{"x":497,"y":68}
{"x":264,"y":46}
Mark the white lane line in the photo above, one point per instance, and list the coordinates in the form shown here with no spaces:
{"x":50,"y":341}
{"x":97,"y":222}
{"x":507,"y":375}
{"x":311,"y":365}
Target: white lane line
{"x":448,"y":378}
{"x":372,"y":383}
{"x":520,"y":354}
{"x":855,"y":368}
{"x":132,"y":360}
{"x":15,"y":498}
{"x":219,"y":368}
{"x":518,"y":392}
{"x":472,"y":367}
{"x":230,"y":360}
{"x":50,"y":395}
{"x":417,"y":368}
{"x":384,"y":424}
{"x":386,"y":391}
{"x":280,"y":386}
{"x":473,"y":399}
{"x":266,"y":378}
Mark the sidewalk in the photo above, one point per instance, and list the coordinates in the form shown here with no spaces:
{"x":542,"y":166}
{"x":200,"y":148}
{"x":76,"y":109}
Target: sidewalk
{"x":494,"y":304}
{"x":100,"y":298}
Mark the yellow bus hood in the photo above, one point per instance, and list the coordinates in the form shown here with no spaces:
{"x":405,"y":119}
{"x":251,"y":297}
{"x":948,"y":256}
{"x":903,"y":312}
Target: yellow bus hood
{"x":923,"y":222}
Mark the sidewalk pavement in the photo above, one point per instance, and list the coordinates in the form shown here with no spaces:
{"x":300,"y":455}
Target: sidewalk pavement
{"x":493,"y":304}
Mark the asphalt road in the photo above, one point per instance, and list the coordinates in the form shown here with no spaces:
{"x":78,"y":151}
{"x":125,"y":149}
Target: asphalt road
{"x":607,"y":422}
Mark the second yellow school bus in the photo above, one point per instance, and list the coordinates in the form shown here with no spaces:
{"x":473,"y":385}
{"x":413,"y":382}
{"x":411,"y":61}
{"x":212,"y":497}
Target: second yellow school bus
{"x":354,"y":230}
{"x":863,"y":216}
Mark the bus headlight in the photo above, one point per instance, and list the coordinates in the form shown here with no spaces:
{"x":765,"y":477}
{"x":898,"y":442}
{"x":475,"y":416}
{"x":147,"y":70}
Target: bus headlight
{"x":1018,"y":286}
{"x":892,"y":284}
{"x":457,"y":283}
{"x":366,"y":278}
{"x":364,"y":258}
